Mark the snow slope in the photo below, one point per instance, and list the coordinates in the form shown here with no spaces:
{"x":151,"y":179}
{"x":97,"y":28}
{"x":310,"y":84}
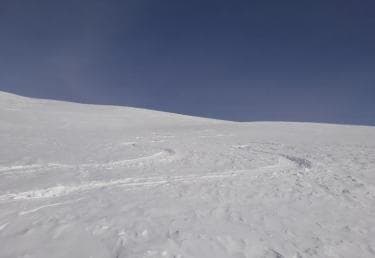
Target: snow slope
{"x":102,"y":181}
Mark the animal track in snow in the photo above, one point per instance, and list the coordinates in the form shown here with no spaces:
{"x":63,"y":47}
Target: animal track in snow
{"x":216,"y":135}
{"x":129,"y":143}
{"x":301,"y":162}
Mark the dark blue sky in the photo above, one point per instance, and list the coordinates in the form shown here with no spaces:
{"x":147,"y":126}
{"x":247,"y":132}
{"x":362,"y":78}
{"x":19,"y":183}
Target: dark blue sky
{"x":236,"y":60}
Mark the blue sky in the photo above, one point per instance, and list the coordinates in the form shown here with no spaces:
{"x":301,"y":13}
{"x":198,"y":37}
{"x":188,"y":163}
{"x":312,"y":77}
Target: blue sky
{"x":310,"y":61}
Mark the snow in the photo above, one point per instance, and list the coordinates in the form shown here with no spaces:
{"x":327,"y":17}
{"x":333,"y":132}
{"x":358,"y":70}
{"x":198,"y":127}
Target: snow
{"x":102,"y":181}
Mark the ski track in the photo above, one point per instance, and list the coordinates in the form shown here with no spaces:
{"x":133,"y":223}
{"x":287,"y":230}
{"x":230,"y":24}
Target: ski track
{"x":20,"y":167}
{"x":4,"y":226}
{"x":22,"y":213}
{"x":63,"y":190}
{"x":164,"y":155}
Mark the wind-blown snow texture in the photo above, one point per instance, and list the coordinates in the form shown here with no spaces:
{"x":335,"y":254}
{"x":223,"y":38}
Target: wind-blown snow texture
{"x":100,"y":181}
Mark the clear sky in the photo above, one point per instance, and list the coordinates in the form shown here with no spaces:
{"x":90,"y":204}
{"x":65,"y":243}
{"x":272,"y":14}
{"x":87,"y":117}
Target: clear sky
{"x":236,"y":60}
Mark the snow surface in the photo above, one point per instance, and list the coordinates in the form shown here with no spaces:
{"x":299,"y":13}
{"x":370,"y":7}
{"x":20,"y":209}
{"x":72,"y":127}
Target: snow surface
{"x":102,"y":181}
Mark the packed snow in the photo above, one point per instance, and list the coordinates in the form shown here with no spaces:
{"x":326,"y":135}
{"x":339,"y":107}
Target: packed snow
{"x":102,"y":181}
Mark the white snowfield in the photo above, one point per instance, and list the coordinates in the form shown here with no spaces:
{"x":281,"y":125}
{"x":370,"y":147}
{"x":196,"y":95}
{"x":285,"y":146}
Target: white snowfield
{"x":102,"y":181}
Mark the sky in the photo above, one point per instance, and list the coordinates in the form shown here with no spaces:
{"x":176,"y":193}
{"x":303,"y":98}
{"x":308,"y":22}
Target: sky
{"x":307,"y":61}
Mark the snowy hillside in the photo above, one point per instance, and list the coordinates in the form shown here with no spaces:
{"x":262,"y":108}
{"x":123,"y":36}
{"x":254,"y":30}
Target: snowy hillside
{"x":102,"y":181}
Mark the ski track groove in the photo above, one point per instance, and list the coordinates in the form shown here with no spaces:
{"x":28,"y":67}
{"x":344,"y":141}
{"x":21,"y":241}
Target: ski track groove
{"x":3,"y":226}
{"x":63,"y":190}
{"x":25,"y":212}
{"x":164,"y":155}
